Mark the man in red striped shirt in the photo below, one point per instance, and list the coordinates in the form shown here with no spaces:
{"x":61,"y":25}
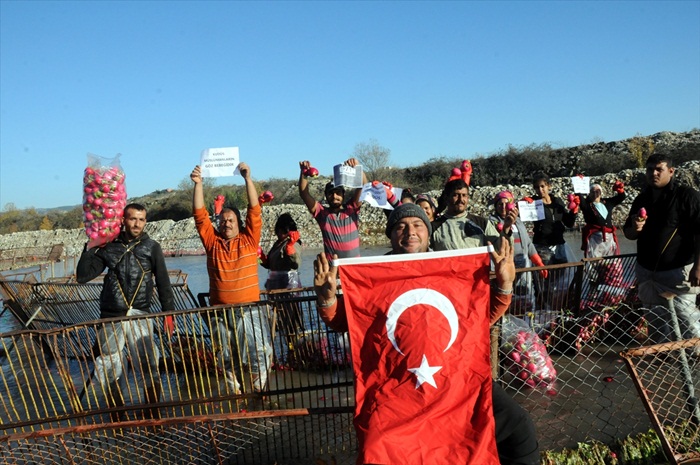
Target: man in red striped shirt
{"x":338,"y":221}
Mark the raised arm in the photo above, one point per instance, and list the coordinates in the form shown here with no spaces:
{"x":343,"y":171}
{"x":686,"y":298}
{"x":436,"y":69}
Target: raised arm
{"x":358,"y":192}
{"x":329,"y":307}
{"x":250,"y":189}
{"x":309,"y":201}
{"x":90,"y":265}
{"x":198,"y":192}
{"x":502,"y":295}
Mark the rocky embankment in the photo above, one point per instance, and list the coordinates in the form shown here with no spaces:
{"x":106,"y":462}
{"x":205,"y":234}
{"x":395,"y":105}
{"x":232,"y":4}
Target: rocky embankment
{"x":180,"y":238}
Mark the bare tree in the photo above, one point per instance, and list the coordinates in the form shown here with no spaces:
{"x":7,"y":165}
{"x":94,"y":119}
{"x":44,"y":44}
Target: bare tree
{"x":374,"y":159}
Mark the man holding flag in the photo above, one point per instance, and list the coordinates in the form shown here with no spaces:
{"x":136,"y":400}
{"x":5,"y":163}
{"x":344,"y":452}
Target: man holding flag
{"x":419,"y":331}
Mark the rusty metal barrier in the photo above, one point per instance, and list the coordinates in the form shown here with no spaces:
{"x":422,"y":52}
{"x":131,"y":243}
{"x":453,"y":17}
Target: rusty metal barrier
{"x":12,"y":259}
{"x":56,"y":408}
{"x":304,"y":413}
{"x":56,"y":303}
{"x":667,"y":378}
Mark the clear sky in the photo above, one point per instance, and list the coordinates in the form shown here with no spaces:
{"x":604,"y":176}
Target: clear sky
{"x":287,"y":81}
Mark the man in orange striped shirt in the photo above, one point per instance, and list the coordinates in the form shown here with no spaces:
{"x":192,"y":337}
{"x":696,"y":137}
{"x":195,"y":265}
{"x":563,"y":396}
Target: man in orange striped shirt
{"x":232,"y":265}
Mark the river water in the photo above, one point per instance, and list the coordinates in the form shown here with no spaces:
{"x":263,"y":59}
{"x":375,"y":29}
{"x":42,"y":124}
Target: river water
{"x":198,"y":281}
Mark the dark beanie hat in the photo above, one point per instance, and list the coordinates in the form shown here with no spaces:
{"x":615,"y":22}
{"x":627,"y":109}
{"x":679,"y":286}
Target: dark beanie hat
{"x":407,"y":210}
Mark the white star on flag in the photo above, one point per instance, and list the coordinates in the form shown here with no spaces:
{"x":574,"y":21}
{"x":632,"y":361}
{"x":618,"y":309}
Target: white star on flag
{"x":424,"y":373}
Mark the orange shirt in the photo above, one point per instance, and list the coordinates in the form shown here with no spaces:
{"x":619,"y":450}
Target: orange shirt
{"x":232,"y":265}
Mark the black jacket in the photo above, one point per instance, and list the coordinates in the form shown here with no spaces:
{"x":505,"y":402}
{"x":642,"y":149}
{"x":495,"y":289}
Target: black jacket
{"x":550,"y":230}
{"x":131,"y":268}
{"x":592,"y":216}
{"x":673,"y":221}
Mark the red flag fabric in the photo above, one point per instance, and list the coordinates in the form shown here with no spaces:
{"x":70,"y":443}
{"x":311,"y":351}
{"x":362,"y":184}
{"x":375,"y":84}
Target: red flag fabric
{"x":419,"y":334}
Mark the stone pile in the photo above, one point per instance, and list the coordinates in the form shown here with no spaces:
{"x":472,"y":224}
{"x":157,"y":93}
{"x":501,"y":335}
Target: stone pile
{"x":180,"y":238}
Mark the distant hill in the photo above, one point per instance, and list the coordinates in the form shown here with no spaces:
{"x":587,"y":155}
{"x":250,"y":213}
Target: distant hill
{"x":511,"y":166}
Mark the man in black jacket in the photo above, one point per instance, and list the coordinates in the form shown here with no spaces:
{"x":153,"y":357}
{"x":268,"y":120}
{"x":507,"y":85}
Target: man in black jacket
{"x":132,"y":260}
{"x":665,"y":221}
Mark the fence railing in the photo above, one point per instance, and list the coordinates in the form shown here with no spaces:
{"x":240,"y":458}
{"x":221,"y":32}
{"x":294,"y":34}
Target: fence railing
{"x":559,"y":358}
{"x":12,"y":259}
{"x":668,"y":382}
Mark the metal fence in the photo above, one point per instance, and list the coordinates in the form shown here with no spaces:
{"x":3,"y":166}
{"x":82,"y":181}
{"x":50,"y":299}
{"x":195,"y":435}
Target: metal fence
{"x":55,"y":409}
{"x":12,"y":259}
{"x":558,"y":354}
{"x":667,"y":378}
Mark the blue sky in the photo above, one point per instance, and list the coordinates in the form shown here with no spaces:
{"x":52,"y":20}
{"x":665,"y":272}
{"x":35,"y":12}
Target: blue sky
{"x":287,"y":81}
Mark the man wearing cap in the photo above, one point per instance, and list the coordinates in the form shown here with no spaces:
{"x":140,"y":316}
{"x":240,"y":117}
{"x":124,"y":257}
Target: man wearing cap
{"x":409,"y":230}
{"x":338,"y":221}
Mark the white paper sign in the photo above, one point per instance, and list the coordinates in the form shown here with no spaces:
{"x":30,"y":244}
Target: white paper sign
{"x":219,"y":162}
{"x":376,"y":196}
{"x":531,"y":211}
{"x":347,"y":176}
{"x":582,"y":185}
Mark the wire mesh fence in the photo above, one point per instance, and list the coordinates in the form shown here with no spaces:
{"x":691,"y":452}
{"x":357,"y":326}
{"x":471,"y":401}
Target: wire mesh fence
{"x":667,"y":378}
{"x":210,"y":399}
{"x":557,"y":354}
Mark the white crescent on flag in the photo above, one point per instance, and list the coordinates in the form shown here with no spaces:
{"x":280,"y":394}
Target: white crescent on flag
{"x":421,"y":296}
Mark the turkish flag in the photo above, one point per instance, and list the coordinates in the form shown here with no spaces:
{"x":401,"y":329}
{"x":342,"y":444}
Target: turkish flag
{"x":419,"y":334}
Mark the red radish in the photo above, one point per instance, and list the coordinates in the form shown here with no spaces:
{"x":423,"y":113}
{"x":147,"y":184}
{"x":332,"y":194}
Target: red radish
{"x":104,"y":199}
{"x":311,"y":172}
{"x":515,"y":356}
{"x":643,"y":213}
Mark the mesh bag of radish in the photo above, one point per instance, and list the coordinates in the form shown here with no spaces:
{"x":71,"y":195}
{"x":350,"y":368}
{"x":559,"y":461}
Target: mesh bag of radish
{"x":104,"y":199}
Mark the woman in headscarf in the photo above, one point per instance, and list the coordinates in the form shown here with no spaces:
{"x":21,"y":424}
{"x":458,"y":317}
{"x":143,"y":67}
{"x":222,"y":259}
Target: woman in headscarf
{"x":525,"y":254}
{"x":598,"y":237}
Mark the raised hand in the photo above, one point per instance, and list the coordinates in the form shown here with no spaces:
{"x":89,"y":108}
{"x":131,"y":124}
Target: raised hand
{"x":325,"y":278}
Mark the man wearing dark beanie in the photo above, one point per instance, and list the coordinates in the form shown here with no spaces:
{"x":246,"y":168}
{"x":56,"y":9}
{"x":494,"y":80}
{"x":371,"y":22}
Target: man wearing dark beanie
{"x":409,"y":230}
{"x":407,"y":210}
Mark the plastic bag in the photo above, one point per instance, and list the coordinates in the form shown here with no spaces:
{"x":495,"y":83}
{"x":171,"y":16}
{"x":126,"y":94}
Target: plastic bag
{"x":527,"y":354}
{"x":104,"y":199}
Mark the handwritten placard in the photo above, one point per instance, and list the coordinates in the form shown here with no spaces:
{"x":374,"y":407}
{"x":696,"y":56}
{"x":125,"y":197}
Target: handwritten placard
{"x":531,"y":211}
{"x":582,"y":185}
{"x":219,"y":162}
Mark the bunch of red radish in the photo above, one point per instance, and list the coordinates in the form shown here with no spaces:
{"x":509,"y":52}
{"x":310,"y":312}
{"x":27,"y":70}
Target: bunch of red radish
{"x":266,"y":197}
{"x":530,"y":361}
{"x":104,"y":199}
{"x":311,"y":172}
{"x":573,"y":202}
{"x":464,"y":172}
